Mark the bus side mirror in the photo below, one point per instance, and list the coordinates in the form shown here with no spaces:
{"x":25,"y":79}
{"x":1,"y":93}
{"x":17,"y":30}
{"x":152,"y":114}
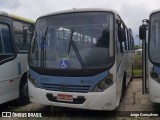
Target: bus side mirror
{"x":142,"y":32}
{"x":122,"y":35}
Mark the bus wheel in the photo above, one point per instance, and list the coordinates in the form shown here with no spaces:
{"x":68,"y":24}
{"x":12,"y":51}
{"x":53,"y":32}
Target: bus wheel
{"x":24,"y":95}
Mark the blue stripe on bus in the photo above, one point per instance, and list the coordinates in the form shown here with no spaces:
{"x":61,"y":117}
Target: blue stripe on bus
{"x":156,"y":69}
{"x":74,"y":84}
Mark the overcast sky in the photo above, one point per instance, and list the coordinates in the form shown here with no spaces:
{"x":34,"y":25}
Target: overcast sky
{"x":132,"y":12}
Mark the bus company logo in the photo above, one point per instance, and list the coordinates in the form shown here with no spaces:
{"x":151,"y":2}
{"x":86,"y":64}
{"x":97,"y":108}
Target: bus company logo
{"x":6,"y":114}
{"x":20,"y":115}
{"x":64,"y":87}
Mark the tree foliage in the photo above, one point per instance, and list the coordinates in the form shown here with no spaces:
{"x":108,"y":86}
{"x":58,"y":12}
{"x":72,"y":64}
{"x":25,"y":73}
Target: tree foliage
{"x":137,"y":47}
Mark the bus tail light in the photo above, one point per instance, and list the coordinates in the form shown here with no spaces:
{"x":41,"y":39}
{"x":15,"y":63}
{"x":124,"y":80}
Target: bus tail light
{"x":32,"y":80}
{"x":104,"y":84}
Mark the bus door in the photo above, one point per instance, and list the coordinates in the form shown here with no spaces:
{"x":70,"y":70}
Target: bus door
{"x":143,"y":33}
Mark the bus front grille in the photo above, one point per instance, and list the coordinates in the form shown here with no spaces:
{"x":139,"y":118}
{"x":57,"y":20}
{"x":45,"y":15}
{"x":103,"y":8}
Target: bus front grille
{"x":66,"y":88}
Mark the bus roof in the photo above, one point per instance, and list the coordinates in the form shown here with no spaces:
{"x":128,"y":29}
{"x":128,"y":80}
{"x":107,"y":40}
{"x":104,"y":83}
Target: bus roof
{"x":81,"y":10}
{"x":21,"y":18}
{"x":3,"y":13}
{"x":154,"y":11}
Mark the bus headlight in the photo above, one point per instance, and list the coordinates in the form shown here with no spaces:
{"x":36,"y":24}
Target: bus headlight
{"x":154,"y":75}
{"x":104,"y":84}
{"x":32,"y":80}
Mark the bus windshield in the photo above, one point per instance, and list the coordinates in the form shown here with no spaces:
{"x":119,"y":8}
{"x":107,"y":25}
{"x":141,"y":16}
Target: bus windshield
{"x":154,"y":44}
{"x":81,"y":40}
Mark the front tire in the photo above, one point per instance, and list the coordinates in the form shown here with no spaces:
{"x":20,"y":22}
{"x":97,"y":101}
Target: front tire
{"x":24,"y":94}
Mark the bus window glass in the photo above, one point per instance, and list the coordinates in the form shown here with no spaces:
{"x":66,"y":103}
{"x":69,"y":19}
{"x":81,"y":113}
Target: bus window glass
{"x":88,"y":33}
{"x":6,"y":46}
{"x":5,"y":40}
{"x":23,"y":35}
{"x":154,"y":44}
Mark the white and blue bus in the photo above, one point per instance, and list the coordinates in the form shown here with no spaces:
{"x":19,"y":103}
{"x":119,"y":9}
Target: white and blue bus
{"x":80,"y":58}
{"x":150,"y":34}
{"x":15,"y":36}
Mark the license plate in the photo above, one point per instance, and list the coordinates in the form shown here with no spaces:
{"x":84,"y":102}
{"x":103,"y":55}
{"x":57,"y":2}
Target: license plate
{"x":63,"y":97}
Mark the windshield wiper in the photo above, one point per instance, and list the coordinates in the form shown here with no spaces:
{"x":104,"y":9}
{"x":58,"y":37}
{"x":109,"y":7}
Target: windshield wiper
{"x":43,"y":48}
{"x":76,"y":50}
{"x":70,"y":41}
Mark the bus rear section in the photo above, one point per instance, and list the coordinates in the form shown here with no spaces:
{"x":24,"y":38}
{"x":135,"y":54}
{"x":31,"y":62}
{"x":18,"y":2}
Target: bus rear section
{"x":72,"y":61}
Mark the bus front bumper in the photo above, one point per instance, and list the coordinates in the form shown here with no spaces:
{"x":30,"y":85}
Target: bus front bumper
{"x":154,"y":88}
{"x":105,"y":100}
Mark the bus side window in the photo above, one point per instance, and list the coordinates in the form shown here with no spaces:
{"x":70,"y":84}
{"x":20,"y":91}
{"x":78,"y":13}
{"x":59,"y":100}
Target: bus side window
{"x":128,"y":41}
{"x":117,"y":41}
{"x":5,"y":39}
{"x":132,"y":44}
{"x":23,"y":35}
{"x":6,"y":47}
{"x":124,"y":43}
{"x":1,"y":45}
{"x":121,"y":37}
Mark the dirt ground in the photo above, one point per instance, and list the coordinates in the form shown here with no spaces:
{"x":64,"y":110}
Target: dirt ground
{"x":133,"y":102}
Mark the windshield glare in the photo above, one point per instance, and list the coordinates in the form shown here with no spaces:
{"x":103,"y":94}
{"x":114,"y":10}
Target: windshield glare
{"x":52,"y":46}
{"x":155,"y":38}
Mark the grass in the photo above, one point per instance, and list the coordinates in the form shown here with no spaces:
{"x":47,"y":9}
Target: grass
{"x":137,"y":72}
{"x":137,"y":67}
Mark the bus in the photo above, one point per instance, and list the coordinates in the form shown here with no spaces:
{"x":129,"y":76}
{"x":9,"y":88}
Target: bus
{"x":80,"y":58}
{"x":15,"y":36}
{"x":149,"y":33}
